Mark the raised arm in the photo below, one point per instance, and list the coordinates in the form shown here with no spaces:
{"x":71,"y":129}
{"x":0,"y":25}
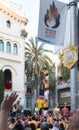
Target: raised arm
{"x":74,"y":120}
{"x":6,"y":105}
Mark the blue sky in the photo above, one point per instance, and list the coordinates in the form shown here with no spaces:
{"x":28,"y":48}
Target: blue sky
{"x":31,"y":10}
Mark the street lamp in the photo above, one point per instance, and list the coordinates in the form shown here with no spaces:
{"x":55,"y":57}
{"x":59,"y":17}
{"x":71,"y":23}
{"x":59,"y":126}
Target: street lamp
{"x":73,"y":41}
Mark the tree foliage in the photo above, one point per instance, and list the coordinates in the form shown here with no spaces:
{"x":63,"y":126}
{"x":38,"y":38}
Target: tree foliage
{"x":65,"y":72}
{"x":52,"y":80}
{"x":35,"y":59}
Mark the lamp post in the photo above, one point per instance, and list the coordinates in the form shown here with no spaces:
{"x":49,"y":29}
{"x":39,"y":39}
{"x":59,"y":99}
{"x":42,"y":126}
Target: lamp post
{"x":73,"y":41}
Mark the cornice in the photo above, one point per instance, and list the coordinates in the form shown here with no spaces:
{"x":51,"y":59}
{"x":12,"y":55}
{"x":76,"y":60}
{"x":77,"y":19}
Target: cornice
{"x":13,"y":13}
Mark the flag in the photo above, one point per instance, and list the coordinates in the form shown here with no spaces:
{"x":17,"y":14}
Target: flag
{"x":52,"y":22}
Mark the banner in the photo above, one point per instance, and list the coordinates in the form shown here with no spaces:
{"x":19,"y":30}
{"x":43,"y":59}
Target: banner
{"x":52,"y":22}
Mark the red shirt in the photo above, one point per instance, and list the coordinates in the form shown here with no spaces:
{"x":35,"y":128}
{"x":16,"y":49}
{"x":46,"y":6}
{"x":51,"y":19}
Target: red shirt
{"x":65,"y":111}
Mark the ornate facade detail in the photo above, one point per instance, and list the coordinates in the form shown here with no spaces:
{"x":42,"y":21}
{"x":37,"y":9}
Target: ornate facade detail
{"x":12,"y":13}
{"x":23,"y":33}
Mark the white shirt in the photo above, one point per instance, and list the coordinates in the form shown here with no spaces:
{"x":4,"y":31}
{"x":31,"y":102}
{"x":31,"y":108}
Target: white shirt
{"x":55,"y":128}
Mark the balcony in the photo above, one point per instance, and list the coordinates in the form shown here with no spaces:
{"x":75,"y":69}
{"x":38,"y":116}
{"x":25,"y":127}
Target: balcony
{"x":8,"y":85}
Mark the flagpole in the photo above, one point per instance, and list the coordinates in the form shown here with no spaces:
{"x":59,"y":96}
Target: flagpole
{"x":73,"y":41}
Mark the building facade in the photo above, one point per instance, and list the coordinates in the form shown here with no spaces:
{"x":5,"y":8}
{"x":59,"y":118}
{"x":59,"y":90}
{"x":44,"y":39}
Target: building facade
{"x":12,"y":44}
{"x":63,"y":88}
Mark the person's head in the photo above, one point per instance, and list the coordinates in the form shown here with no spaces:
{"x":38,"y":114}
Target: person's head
{"x":27,"y":128}
{"x":46,"y":100}
{"x":18,"y":126}
{"x":36,"y":104}
{"x":32,"y":126}
{"x":44,"y":119}
{"x":13,"y":120}
{"x":61,"y":126}
{"x":56,"y":124}
{"x":65,"y":104}
{"x":33,"y":118}
{"x":50,"y":126}
{"x":18,"y":102}
{"x":44,"y":126}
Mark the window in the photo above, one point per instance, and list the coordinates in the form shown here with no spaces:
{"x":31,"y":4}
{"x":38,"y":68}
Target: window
{"x":65,"y":94}
{"x":8,"y":24}
{"x":8,"y":47}
{"x":1,"y":45}
{"x":15,"y":49}
{"x":7,"y":79}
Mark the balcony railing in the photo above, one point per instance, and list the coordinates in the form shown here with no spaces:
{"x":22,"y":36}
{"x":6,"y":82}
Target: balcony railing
{"x":8,"y":85}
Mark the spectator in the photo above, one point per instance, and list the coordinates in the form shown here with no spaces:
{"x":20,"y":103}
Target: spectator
{"x":44,"y":126}
{"x":12,"y":123}
{"x":32,"y":126}
{"x":27,"y":128}
{"x":36,"y":109}
{"x":65,"y":110}
{"x":56,"y":110}
{"x":13,"y":114}
{"x":18,"y":108}
{"x":41,"y":109}
{"x":18,"y":126}
{"x":61,"y":126}
{"x":55,"y":125}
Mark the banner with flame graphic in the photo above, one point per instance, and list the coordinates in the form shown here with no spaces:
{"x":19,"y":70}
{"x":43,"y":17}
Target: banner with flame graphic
{"x":52,"y":22}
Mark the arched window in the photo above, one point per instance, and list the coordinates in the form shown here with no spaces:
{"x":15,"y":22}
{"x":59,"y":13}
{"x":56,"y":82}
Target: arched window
{"x":8,"y":79}
{"x":1,"y":45}
{"x":15,"y":49}
{"x":8,"y":24}
{"x":8,"y":47}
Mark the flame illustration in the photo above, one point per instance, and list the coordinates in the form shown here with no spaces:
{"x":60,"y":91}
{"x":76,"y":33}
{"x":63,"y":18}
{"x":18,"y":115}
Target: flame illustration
{"x":52,"y":15}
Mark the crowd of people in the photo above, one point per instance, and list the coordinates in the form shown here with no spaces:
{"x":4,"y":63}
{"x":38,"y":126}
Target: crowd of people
{"x":57,"y":120}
